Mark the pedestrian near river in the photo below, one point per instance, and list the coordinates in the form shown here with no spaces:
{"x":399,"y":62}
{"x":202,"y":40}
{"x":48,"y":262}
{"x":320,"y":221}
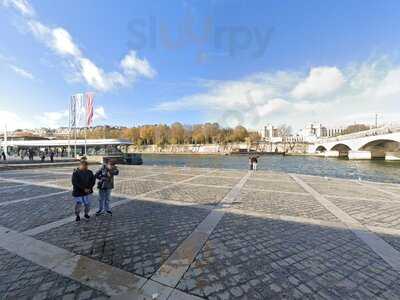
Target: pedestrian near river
{"x":105,"y":185}
{"x":83,"y":181}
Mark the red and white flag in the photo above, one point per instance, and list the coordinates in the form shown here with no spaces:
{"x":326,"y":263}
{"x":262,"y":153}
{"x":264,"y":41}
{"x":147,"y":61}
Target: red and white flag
{"x":89,"y":108}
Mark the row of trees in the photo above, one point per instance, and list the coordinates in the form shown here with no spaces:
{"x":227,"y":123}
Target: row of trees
{"x":177,"y":133}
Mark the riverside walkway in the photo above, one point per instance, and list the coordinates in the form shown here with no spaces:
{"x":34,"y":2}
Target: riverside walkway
{"x":185,"y":233}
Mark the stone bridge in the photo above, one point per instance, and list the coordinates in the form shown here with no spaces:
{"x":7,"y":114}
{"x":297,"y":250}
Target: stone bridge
{"x":381,"y":143}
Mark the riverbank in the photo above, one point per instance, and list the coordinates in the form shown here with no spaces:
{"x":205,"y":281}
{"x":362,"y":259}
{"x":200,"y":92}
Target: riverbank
{"x":380,"y":171}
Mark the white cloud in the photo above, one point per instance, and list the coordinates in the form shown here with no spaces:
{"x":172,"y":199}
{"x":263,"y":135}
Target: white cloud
{"x":53,"y":119}
{"x":321,"y":82}
{"x":61,"y":42}
{"x":334,"y":96}
{"x":22,"y":72}
{"x":12,"y":121}
{"x":22,"y":6}
{"x":99,"y":114}
{"x":132,"y":65}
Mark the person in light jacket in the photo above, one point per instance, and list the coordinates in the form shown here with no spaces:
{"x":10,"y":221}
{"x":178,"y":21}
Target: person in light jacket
{"x":105,"y":185}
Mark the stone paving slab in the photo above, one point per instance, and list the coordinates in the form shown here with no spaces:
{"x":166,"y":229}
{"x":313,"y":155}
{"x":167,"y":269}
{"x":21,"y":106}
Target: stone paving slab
{"x":279,"y":186}
{"x":193,"y":194}
{"x":348,"y":189}
{"x":25,"y":191}
{"x":373,"y":213}
{"x":229,"y":173}
{"x":6,"y":184}
{"x":215,"y":180}
{"x":138,"y":238}
{"x":188,"y":171}
{"x":283,"y":204}
{"x":26,"y":215}
{"x":169,"y":177}
{"x":253,"y":258}
{"x":391,"y":239}
{"x":271,"y":176}
{"x":22,"y":279}
{"x":135,"y":187}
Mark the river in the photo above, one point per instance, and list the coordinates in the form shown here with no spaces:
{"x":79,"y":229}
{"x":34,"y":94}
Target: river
{"x":374,"y":170}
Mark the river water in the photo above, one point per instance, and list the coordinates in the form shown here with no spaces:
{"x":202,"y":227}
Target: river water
{"x":374,"y":170}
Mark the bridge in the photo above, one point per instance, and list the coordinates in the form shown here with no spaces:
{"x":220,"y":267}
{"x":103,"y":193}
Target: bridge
{"x":383,"y":143}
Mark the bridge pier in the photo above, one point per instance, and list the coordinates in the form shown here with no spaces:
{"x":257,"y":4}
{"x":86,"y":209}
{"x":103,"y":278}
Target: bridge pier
{"x":331,"y":153}
{"x":360,"y":155}
{"x":392,"y":155}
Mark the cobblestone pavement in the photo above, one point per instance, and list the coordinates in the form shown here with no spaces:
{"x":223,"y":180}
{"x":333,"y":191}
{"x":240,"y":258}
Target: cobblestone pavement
{"x":283,"y":204}
{"x":22,"y":279}
{"x":138,"y":238}
{"x":281,"y":186}
{"x":252,"y":258}
{"x":215,"y":180}
{"x":269,"y":236}
{"x":25,"y":191}
{"x":26,"y":215}
{"x":373,"y":213}
{"x":5,"y":184}
{"x":194,"y":194}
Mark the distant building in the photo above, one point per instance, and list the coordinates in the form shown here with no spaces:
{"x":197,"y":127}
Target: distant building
{"x":314,"y":131}
{"x":270,"y":133}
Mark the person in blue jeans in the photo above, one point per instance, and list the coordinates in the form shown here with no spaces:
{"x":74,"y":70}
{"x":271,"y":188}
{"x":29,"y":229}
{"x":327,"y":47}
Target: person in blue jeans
{"x":83,"y":181}
{"x":105,"y":184}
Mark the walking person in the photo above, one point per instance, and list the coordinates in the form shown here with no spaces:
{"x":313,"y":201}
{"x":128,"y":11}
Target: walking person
{"x":255,"y":162}
{"x":83,"y":181}
{"x":52,"y":156}
{"x":105,"y":184}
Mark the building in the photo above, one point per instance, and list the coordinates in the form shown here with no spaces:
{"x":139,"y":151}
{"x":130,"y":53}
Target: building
{"x":315,"y":131}
{"x":270,"y":133}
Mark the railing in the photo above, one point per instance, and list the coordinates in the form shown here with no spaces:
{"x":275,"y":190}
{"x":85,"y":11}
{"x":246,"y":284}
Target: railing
{"x":387,"y":129}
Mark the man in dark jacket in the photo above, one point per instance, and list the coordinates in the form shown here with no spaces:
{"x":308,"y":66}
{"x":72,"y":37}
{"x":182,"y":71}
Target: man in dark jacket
{"x":83,"y":181}
{"x":105,"y":184}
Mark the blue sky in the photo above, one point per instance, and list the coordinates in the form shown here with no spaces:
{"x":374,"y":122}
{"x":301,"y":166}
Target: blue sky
{"x":235,"y":62}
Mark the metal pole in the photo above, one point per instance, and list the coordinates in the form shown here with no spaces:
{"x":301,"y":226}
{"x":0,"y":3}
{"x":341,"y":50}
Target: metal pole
{"x":75,"y":142}
{"x":85,"y":142}
{"x":5,"y":140}
{"x":69,"y":129}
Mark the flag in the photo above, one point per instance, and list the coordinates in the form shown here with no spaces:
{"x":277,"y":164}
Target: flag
{"x":89,"y":108}
{"x":72,"y":112}
{"x":80,"y":110}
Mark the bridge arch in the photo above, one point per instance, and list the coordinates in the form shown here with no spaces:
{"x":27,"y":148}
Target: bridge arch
{"x":320,"y":149}
{"x":380,"y":147}
{"x":343,"y":149}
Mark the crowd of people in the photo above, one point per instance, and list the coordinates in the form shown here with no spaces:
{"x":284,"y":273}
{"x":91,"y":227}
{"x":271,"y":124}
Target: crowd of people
{"x":83,"y":182}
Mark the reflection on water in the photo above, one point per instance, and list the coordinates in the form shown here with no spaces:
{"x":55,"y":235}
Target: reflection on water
{"x":376,"y":170}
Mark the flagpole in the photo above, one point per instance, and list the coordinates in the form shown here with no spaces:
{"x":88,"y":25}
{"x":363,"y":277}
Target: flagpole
{"x":85,"y":142}
{"x":69,"y":129}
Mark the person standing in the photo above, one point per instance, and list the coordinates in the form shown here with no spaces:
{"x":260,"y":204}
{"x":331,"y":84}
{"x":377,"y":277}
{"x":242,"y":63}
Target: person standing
{"x":3,"y":155}
{"x":52,"y":156}
{"x":105,"y":184}
{"x":255,"y":161}
{"x":83,"y":182}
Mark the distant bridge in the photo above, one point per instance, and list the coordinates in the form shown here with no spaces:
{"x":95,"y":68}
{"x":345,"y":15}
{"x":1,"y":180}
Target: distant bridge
{"x":383,"y":142}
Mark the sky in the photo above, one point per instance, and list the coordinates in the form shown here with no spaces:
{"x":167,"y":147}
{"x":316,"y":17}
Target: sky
{"x":232,"y":62}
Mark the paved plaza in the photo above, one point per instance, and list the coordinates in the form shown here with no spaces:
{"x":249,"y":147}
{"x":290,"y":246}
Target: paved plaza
{"x":185,"y":233}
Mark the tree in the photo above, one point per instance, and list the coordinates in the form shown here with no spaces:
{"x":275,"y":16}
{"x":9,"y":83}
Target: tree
{"x":239,"y":134}
{"x":177,"y":133}
{"x":355,"y":128}
{"x":147,"y":134}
